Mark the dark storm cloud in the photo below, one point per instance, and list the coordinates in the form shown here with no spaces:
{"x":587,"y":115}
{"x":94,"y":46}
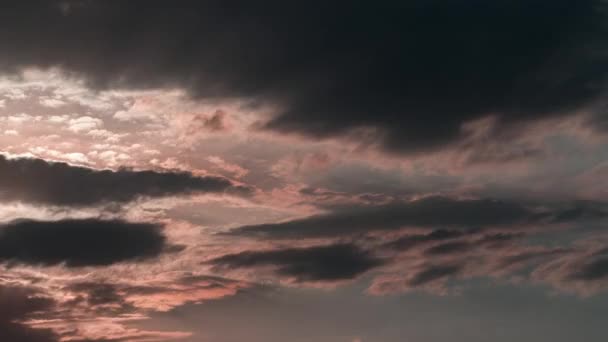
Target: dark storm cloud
{"x":416,"y":70}
{"x":85,"y":242}
{"x":319,"y":263}
{"x":53,"y":183}
{"x":17,"y":304}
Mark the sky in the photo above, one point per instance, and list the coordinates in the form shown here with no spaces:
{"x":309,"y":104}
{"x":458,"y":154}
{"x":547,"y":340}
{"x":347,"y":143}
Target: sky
{"x":303,"y":171}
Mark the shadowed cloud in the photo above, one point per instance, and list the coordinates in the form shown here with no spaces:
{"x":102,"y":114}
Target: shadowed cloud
{"x":319,"y":263}
{"x":86,"y":242}
{"x":410,"y":241}
{"x":594,"y":268}
{"x":17,"y":304}
{"x":415,"y":71}
{"x":433,"y":273}
{"x":54,"y":183}
{"x":426,"y":212}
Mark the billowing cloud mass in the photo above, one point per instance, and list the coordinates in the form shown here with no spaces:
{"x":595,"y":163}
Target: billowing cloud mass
{"x":320,"y":171}
{"x":38,"y":181}
{"x":412,"y":70}
{"x":85,"y":242}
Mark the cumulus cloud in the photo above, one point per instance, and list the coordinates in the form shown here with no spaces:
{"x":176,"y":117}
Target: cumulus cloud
{"x":38,"y":181}
{"x":83,"y":242}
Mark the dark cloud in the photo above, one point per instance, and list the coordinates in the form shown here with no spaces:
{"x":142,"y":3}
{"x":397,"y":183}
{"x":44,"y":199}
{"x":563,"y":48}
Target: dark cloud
{"x":450,"y":248}
{"x":319,"y":263}
{"x":499,"y":239}
{"x":17,"y":304}
{"x":409,"y":241}
{"x":85,"y":242}
{"x":434,"y":273}
{"x":582,"y":210}
{"x":597,"y":269}
{"x":415,"y":70}
{"x":594,"y":268}
{"x":53,"y":183}
{"x":426,"y":212}
{"x":215,"y":122}
{"x":493,"y":241}
{"x":98,"y":293}
{"x":98,"y":299}
{"x":582,"y":269}
{"x":525,"y":259}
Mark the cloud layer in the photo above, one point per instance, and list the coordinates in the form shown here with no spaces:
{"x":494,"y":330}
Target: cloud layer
{"x":37,"y":181}
{"x":393,"y":146}
{"x":17,"y":304}
{"x":317,"y":263}
{"x":87,"y":242}
{"x":415,"y":71}
{"x":427,"y":212}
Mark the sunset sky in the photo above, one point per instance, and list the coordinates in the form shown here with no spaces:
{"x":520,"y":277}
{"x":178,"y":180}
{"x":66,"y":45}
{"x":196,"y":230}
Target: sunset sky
{"x":304,"y":171}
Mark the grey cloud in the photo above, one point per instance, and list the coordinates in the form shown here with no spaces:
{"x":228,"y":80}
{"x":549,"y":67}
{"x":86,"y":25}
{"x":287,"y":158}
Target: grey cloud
{"x":410,"y":241}
{"x":427,"y":212}
{"x":434,"y":273}
{"x":415,"y":70}
{"x":17,"y":304}
{"x":318,"y":263}
{"x":79,"y":242}
{"x":594,"y":267}
{"x":38,"y":181}
{"x":450,"y":248}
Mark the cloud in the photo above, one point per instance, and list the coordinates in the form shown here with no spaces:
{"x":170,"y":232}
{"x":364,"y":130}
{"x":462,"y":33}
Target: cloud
{"x":215,"y":122}
{"x":38,"y":181}
{"x":409,"y":241}
{"x":433,"y":273}
{"x":116,"y":296}
{"x":98,"y":293}
{"x":310,"y":264}
{"x":583,"y":270}
{"x":89,"y":308}
{"x":594,"y":269}
{"x":450,"y":248}
{"x":84,"y":242}
{"x":18,"y":304}
{"x":84,"y":124}
{"x":426,"y":212}
{"x":414,"y":71}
